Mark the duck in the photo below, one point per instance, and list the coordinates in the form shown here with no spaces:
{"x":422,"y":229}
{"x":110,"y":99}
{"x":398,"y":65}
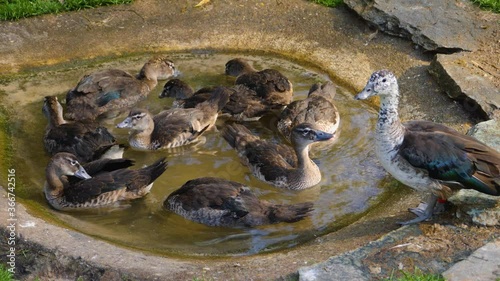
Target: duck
{"x":105,"y":93}
{"x":86,"y":139}
{"x":173,"y":127}
{"x":318,"y":108}
{"x":429,"y":157}
{"x":71,"y":186}
{"x":269,"y":84}
{"x":244,"y":104}
{"x":278,"y":164}
{"x":220,"y":202}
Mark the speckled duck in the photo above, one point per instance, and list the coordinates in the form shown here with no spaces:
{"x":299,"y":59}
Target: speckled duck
{"x":427,"y":156}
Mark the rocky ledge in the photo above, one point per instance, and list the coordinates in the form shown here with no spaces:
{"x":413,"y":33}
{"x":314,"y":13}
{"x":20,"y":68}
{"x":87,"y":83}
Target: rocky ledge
{"x":464,"y":38}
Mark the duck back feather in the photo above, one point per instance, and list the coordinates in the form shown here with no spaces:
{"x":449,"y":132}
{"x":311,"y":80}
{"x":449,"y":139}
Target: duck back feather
{"x":85,"y":139}
{"x":219,"y":202}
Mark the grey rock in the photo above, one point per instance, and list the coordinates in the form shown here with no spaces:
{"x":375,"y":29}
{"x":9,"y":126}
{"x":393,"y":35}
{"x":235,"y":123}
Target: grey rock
{"x":440,"y":25}
{"x":487,"y":132}
{"x":340,"y":268}
{"x":350,"y":266}
{"x":480,"y":208}
{"x":489,"y":258}
{"x":464,"y":81}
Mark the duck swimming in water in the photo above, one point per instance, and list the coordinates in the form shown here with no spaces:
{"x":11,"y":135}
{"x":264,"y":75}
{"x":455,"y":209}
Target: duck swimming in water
{"x":71,"y":185}
{"x":87,"y":140}
{"x":220,"y":202}
{"x":244,"y":104}
{"x":108,"y":91}
{"x":173,"y":127}
{"x":318,"y":109}
{"x":279,"y":164}
{"x":269,"y":84}
{"x":426,"y":156}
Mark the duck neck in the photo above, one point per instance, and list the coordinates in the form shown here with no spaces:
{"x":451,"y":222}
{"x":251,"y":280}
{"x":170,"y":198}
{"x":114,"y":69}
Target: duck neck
{"x":142,"y":138}
{"x":306,"y":168}
{"x":56,"y":118}
{"x":55,"y":184}
{"x":390,"y":131}
{"x":148,"y":78}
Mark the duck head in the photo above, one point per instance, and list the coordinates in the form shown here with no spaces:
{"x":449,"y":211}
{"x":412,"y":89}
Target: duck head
{"x":176,"y":88}
{"x":66,"y":164}
{"x":238,"y":66}
{"x":158,"y":68}
{"x":306,"y":133}
{"x":138,"y":120}
{"x":381,"y":83}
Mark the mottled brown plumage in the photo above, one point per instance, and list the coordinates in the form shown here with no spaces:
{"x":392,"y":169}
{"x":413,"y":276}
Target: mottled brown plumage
{"x":318,"y":109}
{"x":173,"y":127}
{"x":87,"y":140}
{"x":220,"y":202}
{"x":69,"y":185}
{"x":106,"y":91}
{"x":269,"y":84}
{"x":278,"y":164}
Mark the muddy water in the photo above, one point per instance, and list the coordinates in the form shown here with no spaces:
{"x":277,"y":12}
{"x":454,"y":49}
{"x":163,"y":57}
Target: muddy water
{"x":352,"y":181}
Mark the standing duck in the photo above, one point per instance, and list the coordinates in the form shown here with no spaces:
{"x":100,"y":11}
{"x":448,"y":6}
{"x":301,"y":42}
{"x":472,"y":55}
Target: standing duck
{"x":244,"y":104}
{"x":318,"y":109}
{"x":279,"y":164}
{"x":427,"y":156}
{"x":220,"y":202}
{"x":173,"y":127}
{"x":85,"y":139}
{"x":103,"y":182}
{"x":111,"y":90}
{"x":269,"y":84}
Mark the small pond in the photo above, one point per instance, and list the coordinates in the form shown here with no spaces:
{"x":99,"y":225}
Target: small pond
{"x":352,"y":181}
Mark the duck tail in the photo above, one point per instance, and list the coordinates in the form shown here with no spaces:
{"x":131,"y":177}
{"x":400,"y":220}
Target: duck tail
{"x":290,"y":213}
{"x":219,"y":98}
{"x":156,"y":169}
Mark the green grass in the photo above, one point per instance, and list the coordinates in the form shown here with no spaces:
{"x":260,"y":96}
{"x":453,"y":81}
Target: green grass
{"x":329,"y":3}
{"x":17,"y":9}
{"x":5,"y":275}
{"x":416,"y":275}
{"x":492,"y":5}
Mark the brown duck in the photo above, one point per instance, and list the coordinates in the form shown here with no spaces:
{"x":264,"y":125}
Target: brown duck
{"x":69,"y":185}
{"x":173,"y":127}
{"x":318,"y":109}
{"x":269,"y":84}
{"x":244,"y":104}
{"x":220,"y":202}
{"x":106,"y":92}
{"x":87,"y":140}
{"x":279,"y":164}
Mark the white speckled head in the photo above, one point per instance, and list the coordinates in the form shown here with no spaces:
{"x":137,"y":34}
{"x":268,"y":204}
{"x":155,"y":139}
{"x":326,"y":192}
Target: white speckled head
{"x":381,"y":83}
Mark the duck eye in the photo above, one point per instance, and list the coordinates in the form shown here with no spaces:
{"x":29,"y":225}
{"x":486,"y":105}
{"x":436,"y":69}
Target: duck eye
{"x":74,"y":162}
{"x":384,"y":80}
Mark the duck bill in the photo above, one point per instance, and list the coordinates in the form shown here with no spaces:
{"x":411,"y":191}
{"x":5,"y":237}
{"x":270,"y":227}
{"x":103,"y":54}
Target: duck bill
{"x":81,"y":173}
{"x":323,"y":136}
{"x":125,"y":123}
{"x":366,"y":93}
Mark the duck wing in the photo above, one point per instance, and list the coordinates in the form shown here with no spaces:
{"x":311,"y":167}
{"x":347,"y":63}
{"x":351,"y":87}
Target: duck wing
{"x":84,"y":140}
{"x":103,"y":182}
{"x":453,"y":158}
{"x":269,"y":85}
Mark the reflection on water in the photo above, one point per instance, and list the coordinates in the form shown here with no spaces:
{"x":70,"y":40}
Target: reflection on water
{"x":350,"y":185}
